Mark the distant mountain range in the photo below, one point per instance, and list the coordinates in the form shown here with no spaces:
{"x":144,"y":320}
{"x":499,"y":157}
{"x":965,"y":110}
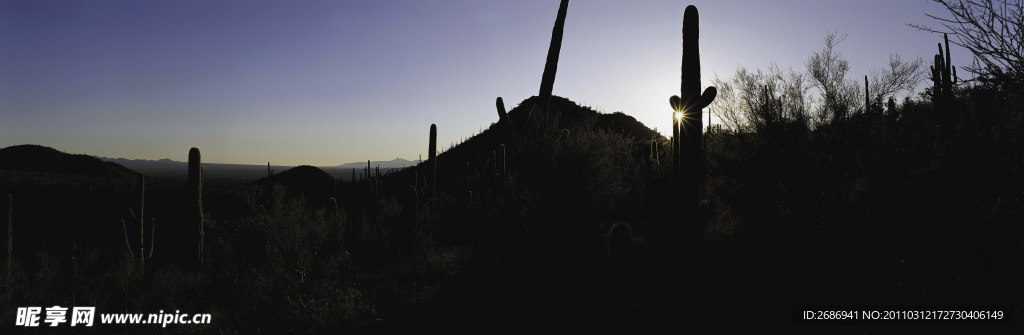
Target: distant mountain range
{"x":46,"y":159}
{"x":391,"y":164}
{"x":173,"y":168}
{"x":140,"y":164}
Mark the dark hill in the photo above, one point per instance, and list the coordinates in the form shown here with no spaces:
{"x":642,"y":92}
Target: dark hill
{"x":561,"y":113}
{"x":308,"y":181}
{"x":564,"y":151}
{"x":570,"y":113}
{"x":37,"y":158}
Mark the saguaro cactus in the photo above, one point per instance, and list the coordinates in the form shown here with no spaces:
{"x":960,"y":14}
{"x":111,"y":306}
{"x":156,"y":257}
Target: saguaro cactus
{"x":195,"y":189}
{"x":432,"y":150}
{"x":432,"y":156}
{"x":867,"y":96}
{"x":142,"y":226}
{"x":547,"y":83}
{"x":943,"y":78}
{"x":687,"y":121}
{"x":655,"y":160}
{"x":502,"y":115}
{"x":10,"y":234}
{"x":503,"y":163}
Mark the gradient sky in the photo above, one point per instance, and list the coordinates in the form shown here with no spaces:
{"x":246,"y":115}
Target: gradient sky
{"x":330,"y":82}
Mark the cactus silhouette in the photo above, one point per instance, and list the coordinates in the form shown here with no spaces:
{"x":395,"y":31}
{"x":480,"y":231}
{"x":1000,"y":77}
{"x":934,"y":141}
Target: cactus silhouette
{"x":867,"y":96}
{"x":943,"y":78}
{"x":195,"y":189}
{"x":432,"y":157}
{"x":503,"y":167}
{"x":687,"y":121}
{"x":502,"y":115}
{"x":10,"y":234}
{"x":654,"y":153}
{"x":547,"y":82}
{"x":432,"y":150}
{"x":142,"y":226}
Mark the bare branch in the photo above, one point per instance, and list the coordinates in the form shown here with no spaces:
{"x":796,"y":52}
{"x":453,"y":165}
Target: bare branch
{"x":992,"y":30}
{"x":899,"y":76}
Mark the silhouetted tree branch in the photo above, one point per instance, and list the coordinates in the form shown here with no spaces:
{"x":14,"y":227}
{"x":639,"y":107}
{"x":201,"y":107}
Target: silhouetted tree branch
{"x":827,"y":70}
{"x":726,"y":105}
{"x":900,"y":76}
{"x":992,"y":30}
{"x":756,"y":99}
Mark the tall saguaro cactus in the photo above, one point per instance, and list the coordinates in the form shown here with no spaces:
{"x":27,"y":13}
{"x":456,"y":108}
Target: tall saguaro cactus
{"x":10,"y":234}
{"x":432,"y":156}
{"x":195,"y":189}
{"x":867,"y":96}
{"x":547,"y":83}
{"x":142,"y":246}
{"x":687,"y":121}
{"x":943,"y":78}
{"x":432,"y":150}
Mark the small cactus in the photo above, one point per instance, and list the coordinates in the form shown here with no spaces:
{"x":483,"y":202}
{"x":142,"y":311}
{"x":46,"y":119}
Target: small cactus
{"x":334,"y":207}
{"x":655,"y":160}
{"x":503,"y":167}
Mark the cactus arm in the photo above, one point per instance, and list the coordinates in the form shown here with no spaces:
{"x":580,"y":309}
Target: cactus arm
{"x":152,"y":237}
{"x":707,"y":97}
{"x":945,"y":37}
{"x":126,"y":243}
{"x":502,"y":114}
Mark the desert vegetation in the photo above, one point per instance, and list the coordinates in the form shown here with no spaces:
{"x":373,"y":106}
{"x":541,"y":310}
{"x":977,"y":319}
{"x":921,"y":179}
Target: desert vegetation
{"x":557,"y":213}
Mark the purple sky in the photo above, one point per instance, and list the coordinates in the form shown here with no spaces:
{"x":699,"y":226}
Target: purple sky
{"x":331,"y":82}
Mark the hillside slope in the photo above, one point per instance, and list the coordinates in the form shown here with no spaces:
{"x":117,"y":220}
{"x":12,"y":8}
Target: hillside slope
{"x":37,"y":158}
